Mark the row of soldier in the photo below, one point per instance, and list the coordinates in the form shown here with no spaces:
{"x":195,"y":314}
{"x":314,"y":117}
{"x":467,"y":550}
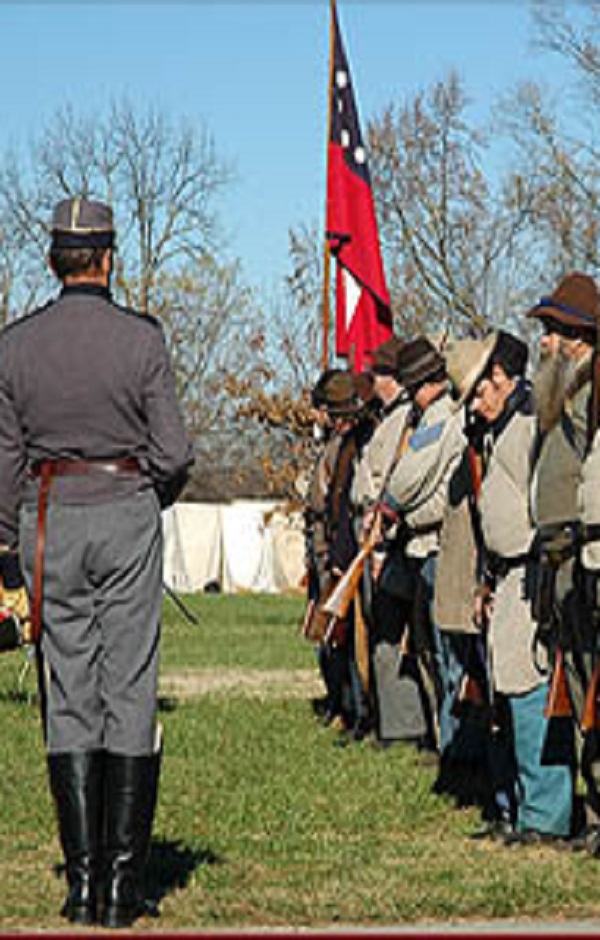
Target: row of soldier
{"x":467,"y":500}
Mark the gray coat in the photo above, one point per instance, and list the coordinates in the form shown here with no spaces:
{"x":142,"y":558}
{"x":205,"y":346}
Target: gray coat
{"x":508,"y":531}
{"x":418,"y":487}
{"x":378,"y":457}
{"x":83,"y":378}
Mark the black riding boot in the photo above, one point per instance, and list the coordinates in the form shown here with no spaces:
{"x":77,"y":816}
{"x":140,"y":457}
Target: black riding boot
{"x":76,"y":782}
{"x":130,"y":801}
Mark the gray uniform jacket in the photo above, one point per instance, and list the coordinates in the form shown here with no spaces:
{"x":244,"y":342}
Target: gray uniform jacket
{"x":378,"y":456}
{"x":508,"y":532}
{"x":83,"y":378}
{"x":418,"y":488}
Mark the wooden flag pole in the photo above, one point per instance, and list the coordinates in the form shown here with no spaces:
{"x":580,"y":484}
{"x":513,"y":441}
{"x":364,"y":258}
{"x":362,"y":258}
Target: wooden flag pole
{"x":326,"y":249}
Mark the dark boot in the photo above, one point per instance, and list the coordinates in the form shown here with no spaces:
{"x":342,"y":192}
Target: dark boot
{"x":76,"y":782}
{"x":130,"y":801}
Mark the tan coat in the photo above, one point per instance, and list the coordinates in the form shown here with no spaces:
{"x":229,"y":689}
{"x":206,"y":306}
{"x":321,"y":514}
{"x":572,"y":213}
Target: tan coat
{"x":456,"y":578}
{"x":557,"y":473}
{"x":378,"y":456}
{"x":509,"y":531}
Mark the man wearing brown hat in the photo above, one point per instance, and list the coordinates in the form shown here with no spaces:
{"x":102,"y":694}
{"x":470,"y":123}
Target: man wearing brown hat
{"x":331,"y":659}
{"x":562,"y":389}
{"x":354,"y":421}
{"x":92,"y":444}
{"x":530,"y":770}
{"x":346,"y":421}
{"x":415,"y":499}
{"x":399,"y":707}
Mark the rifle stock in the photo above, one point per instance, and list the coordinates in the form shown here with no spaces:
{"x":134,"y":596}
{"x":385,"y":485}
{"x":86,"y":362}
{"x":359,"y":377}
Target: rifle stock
{"x":590,"y":719}
{"x":558,"y":704}
{"x":344,"y":592}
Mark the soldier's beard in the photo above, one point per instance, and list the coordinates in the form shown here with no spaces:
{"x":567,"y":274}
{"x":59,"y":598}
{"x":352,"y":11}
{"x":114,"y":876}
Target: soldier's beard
{"x":550,"y":386}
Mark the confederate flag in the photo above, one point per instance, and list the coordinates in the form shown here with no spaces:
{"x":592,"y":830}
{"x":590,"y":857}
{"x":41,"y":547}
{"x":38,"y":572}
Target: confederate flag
{"x":363,"y":316}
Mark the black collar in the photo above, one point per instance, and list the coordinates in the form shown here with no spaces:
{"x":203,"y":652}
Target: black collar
{"x":518,"y":402}
{"x":92,"y":290}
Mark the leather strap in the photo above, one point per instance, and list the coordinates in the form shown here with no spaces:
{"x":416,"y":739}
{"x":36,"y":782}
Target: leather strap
{"x":121,"y":466}
{"x":40,"y":547}
{"x":45,"y":471}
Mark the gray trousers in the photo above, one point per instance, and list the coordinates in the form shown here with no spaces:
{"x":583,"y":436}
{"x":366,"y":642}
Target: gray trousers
{"x":101,"y":622}
{"x":398,"y":686}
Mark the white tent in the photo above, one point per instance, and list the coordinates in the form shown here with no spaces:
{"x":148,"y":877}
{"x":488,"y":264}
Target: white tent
{"x":246,"y":545}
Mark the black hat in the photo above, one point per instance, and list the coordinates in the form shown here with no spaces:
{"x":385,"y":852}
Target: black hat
{"x":511,"y":353}
{"x":318,"y":395}
{"x":385,"y":357}
{"x":418,"y":362}
{"x":80,"y":223}
{"x":575,"y":304}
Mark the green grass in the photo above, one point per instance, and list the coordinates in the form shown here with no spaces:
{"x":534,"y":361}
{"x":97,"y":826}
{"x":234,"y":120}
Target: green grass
{"x":262,"y":822}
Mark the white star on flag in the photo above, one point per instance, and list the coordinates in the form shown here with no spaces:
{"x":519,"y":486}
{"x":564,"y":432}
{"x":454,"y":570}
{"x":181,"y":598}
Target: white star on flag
{"x":352,"y":292}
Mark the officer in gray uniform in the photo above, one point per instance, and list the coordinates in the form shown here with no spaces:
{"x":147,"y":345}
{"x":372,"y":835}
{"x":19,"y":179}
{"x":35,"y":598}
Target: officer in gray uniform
{"x":92,"y":444}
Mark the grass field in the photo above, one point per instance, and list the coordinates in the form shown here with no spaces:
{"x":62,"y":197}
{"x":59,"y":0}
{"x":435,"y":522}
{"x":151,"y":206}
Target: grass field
{"x":262,"y":822}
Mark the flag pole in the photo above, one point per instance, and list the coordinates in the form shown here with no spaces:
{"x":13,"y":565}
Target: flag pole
{"x":326,"y":247}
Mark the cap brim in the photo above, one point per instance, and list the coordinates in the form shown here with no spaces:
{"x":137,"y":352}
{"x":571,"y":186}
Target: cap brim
{"x":541,"y":312}
{"x":476,"y":372}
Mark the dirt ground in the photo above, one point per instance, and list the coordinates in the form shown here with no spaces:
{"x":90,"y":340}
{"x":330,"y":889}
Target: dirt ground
{"x":276,"y":683}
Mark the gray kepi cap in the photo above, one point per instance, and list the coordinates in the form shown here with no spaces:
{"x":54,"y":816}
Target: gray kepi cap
{"x":82,"y":223}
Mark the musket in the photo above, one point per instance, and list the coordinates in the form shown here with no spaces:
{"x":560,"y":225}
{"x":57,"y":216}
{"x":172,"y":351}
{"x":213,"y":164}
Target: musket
{"x":338,"y":602}
{"x":590,"y":717}
{"x":558,"y":704}
{"x":475,"y":688}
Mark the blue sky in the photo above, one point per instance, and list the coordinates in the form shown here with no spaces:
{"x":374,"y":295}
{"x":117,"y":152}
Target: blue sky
{"x":255,"y":74}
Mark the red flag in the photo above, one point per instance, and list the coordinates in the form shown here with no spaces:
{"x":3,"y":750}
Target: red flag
{"x":363,"y":315}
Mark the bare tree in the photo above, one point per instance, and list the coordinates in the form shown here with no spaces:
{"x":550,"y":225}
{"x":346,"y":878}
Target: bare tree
{"x":572,"y":32}
{"x":214,"y":327}
{"x":162,"y":178}
{"x":450,"y":239}
{"x":295,"y":334}
{"x":563,"y":182}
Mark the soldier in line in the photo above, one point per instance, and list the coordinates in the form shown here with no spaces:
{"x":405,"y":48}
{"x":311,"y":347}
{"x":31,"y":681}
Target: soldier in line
{"x":350,"y":405}
{"x":331,"y":656}
{"x":414,"y":500}
{"x":530,"y":769}
{"x":398,"y":689}
{"x":347,"y":420}
{"x":92,"y":444}
{"x":563,"y":495}
{"x":463,"y":772}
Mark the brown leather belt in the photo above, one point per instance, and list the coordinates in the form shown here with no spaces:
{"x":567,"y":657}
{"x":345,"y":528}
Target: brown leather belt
{"x":121,"y":466}
{"x":45,"y":471}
